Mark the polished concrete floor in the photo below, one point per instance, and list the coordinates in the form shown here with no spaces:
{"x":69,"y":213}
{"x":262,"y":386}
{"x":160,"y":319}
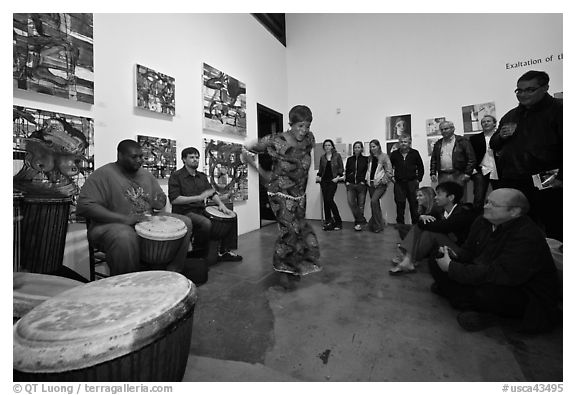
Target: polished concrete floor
{"x":350,"y":322}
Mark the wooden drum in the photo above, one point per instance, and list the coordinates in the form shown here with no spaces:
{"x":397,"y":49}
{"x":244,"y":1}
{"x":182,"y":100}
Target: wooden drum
{"x":130,"y":327}
{"x":221,"y":223}
{"x":31,"y":289}
{"x":160,"y":238}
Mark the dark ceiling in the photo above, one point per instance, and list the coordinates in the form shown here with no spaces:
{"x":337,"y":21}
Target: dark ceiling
{"x":275,"y":24}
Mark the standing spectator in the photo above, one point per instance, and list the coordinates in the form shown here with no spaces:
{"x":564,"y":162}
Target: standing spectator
{"x":529,"y":142}
{"x":452,"y":157}
{"x":378,"y":175}
{"x":355,"y":178}
{"x":485,"y":172}
{"x":331,"y":171}
{"x":408,"y":173}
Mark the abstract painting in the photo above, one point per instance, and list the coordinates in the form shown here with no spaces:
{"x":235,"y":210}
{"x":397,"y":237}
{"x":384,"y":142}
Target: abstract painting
{"x":225,"y":170}
{"x":473,"y":114}
{"x":397,"y":125}
{"x":431,"y":142}
{"x":53,"y":54}
{"x":391,"y":147}
{"x":155,"y":91}
{"x":224,"y":100}
{"x":54,"y":152}
{"x":433,"y":126}
{"x":159,"y":155}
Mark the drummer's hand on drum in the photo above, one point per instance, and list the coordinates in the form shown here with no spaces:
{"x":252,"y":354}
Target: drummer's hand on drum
{"x":225,"y":209}
{"x":133,"y":219}
{"x":208,"y":193}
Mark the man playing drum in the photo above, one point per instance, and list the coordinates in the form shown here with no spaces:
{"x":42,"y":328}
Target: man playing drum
{"x":188,"y":190}
{"x":116,"y":197}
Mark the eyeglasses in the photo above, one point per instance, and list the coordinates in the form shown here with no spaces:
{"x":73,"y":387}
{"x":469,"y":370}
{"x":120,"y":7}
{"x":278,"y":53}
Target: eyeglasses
{"x":527,"y":90}
{"x":448,"y":128}
{"x":490,"y":203}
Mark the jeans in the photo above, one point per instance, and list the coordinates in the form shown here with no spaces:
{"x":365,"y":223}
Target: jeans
{"x":201,"y":229}
{"x":331,"y":213}
{"x":376,"y":223}
{"x":356,"y":194}
{"x":406,"y":190}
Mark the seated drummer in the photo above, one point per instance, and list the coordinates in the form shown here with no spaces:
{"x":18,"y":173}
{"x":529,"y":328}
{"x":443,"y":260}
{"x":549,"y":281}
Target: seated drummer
{"x":117,"y":196}
{"x":188,"y":190}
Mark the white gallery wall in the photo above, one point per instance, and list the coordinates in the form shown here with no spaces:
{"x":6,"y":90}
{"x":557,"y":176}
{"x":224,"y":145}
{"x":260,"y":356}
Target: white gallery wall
{"x":371,"y":66}
{"x":176,"y":45}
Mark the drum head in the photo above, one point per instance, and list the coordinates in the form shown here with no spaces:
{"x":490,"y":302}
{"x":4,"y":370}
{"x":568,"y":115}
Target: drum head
{"x":213,"y":211}
{"x":100,"y":321}
{"x":161,"y":227}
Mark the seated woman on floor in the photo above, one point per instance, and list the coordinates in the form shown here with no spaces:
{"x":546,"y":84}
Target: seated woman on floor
{"x":449,"y":227}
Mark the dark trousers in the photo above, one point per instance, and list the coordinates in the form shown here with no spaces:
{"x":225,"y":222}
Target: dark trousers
{"x":331,"y":213}
{"x":489,"y":298}
{"x":545,"y":206}
{"x":201,"y":230}
{"x":406,"y":190}
{"x":481,"y":183}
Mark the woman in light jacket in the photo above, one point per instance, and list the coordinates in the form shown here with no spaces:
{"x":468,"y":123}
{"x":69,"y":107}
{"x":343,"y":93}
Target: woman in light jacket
{"x":378,"y":175}
{"x":330,"y":172}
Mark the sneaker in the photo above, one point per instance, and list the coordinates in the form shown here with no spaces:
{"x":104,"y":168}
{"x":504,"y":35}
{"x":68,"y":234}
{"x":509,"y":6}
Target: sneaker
{"x":337,"y":227}
{"x":329,"y":227}
{"x":358,"y":228}
{"x":473,"y":321}
{"x":229,"y":256}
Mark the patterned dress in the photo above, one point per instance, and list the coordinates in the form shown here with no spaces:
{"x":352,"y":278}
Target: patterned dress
{"x":296,"y":250}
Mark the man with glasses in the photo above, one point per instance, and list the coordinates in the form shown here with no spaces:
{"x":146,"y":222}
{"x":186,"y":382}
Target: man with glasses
{"x":452,"y":157}
{"x":528,"y":143}
{"x":504,"y":268}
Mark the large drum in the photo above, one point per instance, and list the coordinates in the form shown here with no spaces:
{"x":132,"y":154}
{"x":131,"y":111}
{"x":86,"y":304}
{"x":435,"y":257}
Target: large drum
{"x":221,"y":223}
{"x":160,"y":238}
{"x":44,"y":228}
{"x":130,"y":327}
{"x":31,"y":289}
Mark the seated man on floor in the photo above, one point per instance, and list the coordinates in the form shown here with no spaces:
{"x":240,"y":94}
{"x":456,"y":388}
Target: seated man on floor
{"x":116,"y":197}
{"x":504,"y":268}
{"x":188,"y":190}
{"x":450,"y":228}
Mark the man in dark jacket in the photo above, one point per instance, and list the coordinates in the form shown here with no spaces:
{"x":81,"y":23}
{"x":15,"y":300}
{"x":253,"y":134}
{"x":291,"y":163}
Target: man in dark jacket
{"x":528,"y":142}
{"x":452,"y":157}
{"x":504,"y":268}
{"x":408,"y":173}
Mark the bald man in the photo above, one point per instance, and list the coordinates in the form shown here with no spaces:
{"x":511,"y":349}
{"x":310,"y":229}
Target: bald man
{"x":504,"y":268}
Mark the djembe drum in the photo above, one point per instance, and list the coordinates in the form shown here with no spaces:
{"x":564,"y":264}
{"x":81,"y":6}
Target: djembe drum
{"x":221,"y":223}
{"x":160,"y":238}
{"x":130,"y":327}
{"x":31,"y":289}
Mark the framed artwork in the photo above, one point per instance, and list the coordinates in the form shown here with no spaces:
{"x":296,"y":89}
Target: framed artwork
{"x":53,"y":54}
{"x":224,"y":100}
{"x":366,"y":148}
{"x":397,"y":125}
{"x":225,"y":170}
{"x":155,"y":91}
{"x":391,"y":146}
{"x":53,"y":152}
{"x":159,"y":155}
{"x":433,"y":126}
{"x":472,"y":115}
{"x":559,"y":95}
{"x":431,"y":142}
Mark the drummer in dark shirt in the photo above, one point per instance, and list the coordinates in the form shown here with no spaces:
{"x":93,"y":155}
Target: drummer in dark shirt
{"x":188,"y":190}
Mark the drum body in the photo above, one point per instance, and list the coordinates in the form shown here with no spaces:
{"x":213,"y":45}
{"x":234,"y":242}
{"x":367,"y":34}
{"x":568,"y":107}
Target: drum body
{"x":222,"y":223}
{"x":31,"y":289}
{"x":130,"y":327}
{"x":43,"y":237}
{"x":159,"y":239}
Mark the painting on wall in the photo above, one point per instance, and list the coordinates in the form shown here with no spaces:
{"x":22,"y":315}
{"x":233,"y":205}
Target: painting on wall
{"x":433,"y":126}
{"x":53,"y":152}
{"x":224,"y":100}
{"x":53,"y":54}
{"x":472,"y":115}
{"x":391,"y":147}
{"x":159,"y":155}
{"x":431,"y":141}
{"x":559,"y":95}
{"x":155,"y":91}
{"x":225,"y":170}
{"x":397,"y":125}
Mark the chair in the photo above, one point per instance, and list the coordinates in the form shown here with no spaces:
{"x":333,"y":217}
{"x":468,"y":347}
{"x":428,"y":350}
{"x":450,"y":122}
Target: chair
{"x":97,"y":259}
